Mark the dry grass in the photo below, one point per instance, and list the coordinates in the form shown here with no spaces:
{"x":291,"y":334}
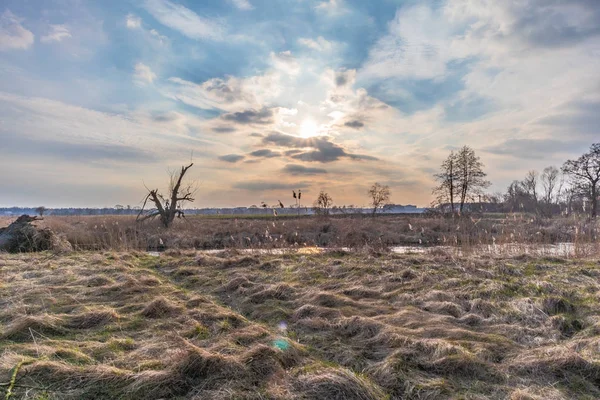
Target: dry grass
{"x":337,"y":325}
{"x":123,"y":233}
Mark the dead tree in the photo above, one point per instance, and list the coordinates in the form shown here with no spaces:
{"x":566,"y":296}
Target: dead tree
{"x":167,"y":208}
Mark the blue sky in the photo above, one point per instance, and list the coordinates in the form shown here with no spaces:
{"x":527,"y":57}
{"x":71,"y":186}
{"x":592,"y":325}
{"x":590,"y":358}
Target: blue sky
{"x":99,"y":98}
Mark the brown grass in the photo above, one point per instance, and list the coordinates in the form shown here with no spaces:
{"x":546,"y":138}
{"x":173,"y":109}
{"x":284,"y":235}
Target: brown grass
{"x":196,"y":232}
{"x":337,"y":325}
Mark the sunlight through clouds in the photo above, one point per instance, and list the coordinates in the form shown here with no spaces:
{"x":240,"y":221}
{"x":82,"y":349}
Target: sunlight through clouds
{"x":340,"y":91}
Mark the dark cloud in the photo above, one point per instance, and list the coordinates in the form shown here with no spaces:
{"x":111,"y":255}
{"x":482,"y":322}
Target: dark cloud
{"x":343,"y":77}
{"x":266,"y":153}
{"x":362,"y":157}
{"x":535,"y":148}
{"x":166,"y":117}
{"x":251,"y":116}
{"x":223,"y":129}
{"x":258,"y":186}
{"x":356,"y":124}
{"x":296,"y":169}
{"x":323,"y":151}
{"x":256,"y":134}
{"x":231,"y":158}
{"x":80,"y":152}
{"x":545,"y":23}
{"x":227,"y":91}
{"x":580,"y":116}
{"x":322,"y":156}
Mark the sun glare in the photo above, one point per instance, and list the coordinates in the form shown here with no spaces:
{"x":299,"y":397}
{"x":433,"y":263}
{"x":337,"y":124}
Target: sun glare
{"x":309,"y":128}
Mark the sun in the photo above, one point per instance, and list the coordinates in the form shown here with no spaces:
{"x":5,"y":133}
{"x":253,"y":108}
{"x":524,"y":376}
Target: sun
{"x":309,"y":128}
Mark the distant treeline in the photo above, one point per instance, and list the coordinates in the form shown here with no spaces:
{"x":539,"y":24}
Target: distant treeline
{"x":253,"y":210}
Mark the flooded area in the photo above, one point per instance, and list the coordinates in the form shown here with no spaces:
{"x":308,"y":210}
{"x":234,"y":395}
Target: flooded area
{"x":509,"y":249}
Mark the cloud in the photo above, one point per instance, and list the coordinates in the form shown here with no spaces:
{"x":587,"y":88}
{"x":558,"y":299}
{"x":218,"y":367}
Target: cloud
{"x":423,"y":41}
{"x":265,"y":153}
{"x":143,"y":75}
{"x":133,"y":21}
{"x":64,"y":129}
{"x":296,"y":169}
{"x":223,"y":129}
{"x":580,"y":116}
{"x":13,"y":35}
{"x":56,"y":33}
{"x":535,"y":23}
{"x":184,"y":20}
{"x":324,"y":150}
{"x":345,"y":77}
{"x":232,"y":158}
{"x":286,"y":62}
{"x":72,"y":151}
{"x":242,"y":4}
{"x":356,"y":124}
{"x":260,"y":186}
{"x":534,"y":148}
{"x":318,"y":44}
{"x":331,"y":7}
{"x":261,"y":117}
{"x":417,"y":46}
{"x":228,"y":94}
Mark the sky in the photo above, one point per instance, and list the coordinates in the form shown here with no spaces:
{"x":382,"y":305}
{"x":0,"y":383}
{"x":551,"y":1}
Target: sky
{"x":99,"y":99}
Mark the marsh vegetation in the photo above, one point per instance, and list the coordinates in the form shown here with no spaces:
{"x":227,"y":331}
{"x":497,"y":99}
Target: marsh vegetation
{"x":335,"y":325}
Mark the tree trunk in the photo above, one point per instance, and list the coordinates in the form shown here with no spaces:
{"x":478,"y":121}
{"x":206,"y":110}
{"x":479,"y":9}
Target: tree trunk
{"x":594,"y":200}
{"x":452,"y":187}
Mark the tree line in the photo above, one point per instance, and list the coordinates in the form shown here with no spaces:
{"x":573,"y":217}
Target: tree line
{"x":575,"y":187}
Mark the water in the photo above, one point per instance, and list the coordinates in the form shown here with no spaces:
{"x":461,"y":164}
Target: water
{"x":508,"y":249}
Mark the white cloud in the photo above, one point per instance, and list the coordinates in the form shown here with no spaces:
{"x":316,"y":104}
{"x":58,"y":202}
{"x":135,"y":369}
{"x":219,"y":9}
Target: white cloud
{"x":417,"y":46}
{"x":161,"y":39}
{"x":79,"y":142}
{"x":242,"y":4}
{"x":332,"y":7}
{"x":133,"y":21}
{"x":286,"y":62}
{"x":229,"y":94}
{"x":184,"y":20}
{"x":519,"y":65}
{"x":12,"y":34}
{"x":56,"y":33}
{"x":319,"y":44}
{"x":143,"y":75}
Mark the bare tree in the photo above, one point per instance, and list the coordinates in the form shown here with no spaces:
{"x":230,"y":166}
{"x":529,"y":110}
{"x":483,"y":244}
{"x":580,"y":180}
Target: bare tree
{"x":550,"y":179}
{"x":168,"y":207}
{"x":530,"y":184}
{"x":585,"y":175}
{"x":380,"y":195}
{"x":447,"y":178}
{"x":40,"y":210}
{"x":470,"y":178}
{"x":515,"y":197}
{"x":323,"y":203}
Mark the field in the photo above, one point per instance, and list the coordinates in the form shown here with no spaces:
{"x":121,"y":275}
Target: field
{"x":122,"y":233}
{"x":298,"y":325}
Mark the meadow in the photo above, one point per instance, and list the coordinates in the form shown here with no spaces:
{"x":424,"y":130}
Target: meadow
{"x":349,"y":320}
{"x":298,"y":325}
{"x":123,"y":233}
